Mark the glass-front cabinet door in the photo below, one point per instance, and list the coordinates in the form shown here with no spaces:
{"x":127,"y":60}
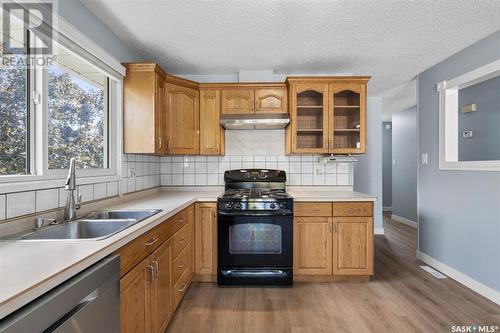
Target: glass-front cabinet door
{"x":347,"y":118}
{"x":309,"y":118}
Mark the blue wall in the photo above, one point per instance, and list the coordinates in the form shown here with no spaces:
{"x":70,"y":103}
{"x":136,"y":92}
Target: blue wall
{"x":459,"y":211}
{"x":78,"y":15}
{"x":404,"y":172}
{"x":484,"y":144}
{"x":368,"y":169}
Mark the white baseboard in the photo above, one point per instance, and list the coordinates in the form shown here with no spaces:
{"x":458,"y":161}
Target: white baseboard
{"x":386,"y":209}
{"x":378,"y":231}
{"x":403,"y":220}
{"x":460,"y":277}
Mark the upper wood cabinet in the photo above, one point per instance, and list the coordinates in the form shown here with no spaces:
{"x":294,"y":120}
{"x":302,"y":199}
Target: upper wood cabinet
{"x":183,"y":120}
{"x":250,"y":98}
{"x":271,"y":100}
{"x":211,"y":131}
{"x":237,"y":101}
{"x":327,"y":115}
{"x":144,"y":109}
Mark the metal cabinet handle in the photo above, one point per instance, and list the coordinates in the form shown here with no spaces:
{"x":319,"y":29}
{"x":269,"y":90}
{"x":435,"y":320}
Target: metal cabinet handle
{"x":256,"y":105}
{"x":181,"y":241}
{"x":182,"y":220}
{"x":159,"y":144}
{"x":157,"y":268}
{"x":181,"y":265}
{"x":183,"y":287}
{"x":330,"y":224}
{"x":151,"y":273}
{"x":334,"y":226}
{"x":151,"y":241}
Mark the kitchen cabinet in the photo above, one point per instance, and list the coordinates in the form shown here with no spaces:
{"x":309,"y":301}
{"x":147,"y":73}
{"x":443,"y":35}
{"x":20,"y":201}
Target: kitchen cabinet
{"x":211,"y":131}
{"x":151,"y":290}
{"x":144,"y":109}
{"x":313,"y":246}
{"x":183,"y":120}
{"x":352,"y":246}
{"x":333,"y":239}
{"x":206,"y":241}
{"x":238,"y":101}
{"x":135,"y":299}
{"x":271,"y":100}
{"x":251,"y":98}
{"x":327,"y":115}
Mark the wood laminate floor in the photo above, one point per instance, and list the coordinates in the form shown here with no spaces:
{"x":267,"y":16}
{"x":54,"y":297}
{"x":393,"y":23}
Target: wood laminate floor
{"x":400,"y":298}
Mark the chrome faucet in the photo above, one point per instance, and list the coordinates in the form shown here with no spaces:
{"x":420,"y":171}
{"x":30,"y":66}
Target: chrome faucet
{"x":71,"y":204}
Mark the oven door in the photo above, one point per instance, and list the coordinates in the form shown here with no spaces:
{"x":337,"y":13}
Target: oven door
{"x":254,"y":241}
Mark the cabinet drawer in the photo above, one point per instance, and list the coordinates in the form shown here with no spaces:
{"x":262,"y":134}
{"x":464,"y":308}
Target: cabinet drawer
{"x":138,"y":249}
{"x":352,"y":209}
{"x":180,"y":287}
{"x":180,"y":219}
{"x":312,"y":209}
{"x":180,"y":264}
{"x":181,"y":239}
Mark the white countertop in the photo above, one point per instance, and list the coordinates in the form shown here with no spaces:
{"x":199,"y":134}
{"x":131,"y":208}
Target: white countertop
{"x":28,"y":269}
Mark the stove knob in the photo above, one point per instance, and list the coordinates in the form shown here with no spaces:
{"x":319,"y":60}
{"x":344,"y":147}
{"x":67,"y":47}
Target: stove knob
{"x":237,"y":205}
{"x":282,"y":205}
{"x":229,"y":205}
{"x":272,"y":206}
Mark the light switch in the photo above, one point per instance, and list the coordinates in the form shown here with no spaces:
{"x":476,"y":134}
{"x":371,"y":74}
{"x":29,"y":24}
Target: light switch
{"x":425,"y":158}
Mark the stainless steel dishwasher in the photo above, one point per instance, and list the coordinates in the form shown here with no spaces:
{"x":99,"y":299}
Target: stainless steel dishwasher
{"x":89,"y":302}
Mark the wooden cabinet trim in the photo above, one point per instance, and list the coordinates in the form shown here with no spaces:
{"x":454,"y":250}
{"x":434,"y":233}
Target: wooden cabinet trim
{"x":352,"y":209}
{"x":312,"y":209}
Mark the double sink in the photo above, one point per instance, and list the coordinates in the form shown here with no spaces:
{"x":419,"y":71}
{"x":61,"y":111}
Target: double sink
{"x":95,"y":226}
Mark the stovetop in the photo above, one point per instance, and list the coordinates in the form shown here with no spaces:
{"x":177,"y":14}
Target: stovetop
{"x":255,"y":190}
{"x":255,"y":193}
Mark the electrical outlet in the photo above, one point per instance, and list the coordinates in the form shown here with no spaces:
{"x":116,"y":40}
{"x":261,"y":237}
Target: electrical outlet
{"x":425,"y":158}
{"x":132,"y":173}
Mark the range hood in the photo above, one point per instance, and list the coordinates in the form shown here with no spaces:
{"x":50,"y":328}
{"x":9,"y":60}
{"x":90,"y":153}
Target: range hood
{"x":254,"y":121}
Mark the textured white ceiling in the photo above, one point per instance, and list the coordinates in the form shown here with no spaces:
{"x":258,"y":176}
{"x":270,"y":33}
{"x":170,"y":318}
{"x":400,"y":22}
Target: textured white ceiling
{"x":390,"y":40}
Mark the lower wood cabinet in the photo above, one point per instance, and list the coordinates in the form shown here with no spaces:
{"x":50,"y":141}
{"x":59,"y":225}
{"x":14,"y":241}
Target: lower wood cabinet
{"x":151,"y":291}
{"x":206,"y":241}
{"x":328,"y":244}
{"x":313,"y":245}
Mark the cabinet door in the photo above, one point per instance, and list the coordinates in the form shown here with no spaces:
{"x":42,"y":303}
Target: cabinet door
{"x":309,"y":119}
{"x":135,"y":299}
{"x":162,"y":309}
{"x":237,"y":101}
{"x":352,"y":245}
{"x":271,"y":101}
{"x":211,"y":132}
{"x":312,"y":246}
{"x":183,"y":120}
{"x":160,"y":117}
{"x":347,"y":118}
{"x":205,"y":232}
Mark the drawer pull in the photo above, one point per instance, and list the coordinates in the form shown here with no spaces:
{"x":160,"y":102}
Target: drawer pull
{"x":151,"y":241}
{"x":183,"y":287}
{"x":181,"y":265}
{"x":182,"y":220}
{"x":181,"y":241}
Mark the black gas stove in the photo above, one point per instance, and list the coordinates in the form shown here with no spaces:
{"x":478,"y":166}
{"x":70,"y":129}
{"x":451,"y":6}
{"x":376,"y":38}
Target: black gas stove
{"x":255,"y":229}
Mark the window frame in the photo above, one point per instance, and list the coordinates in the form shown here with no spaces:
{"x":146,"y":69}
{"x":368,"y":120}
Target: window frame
{"x":448,"y":119}
{"x":38,"y":171}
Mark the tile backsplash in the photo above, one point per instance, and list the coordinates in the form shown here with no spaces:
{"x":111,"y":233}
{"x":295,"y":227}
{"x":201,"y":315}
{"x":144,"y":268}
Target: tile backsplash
{"x":146,"y":170}
{"x":209,"y":170}
{"x":253,"y":149}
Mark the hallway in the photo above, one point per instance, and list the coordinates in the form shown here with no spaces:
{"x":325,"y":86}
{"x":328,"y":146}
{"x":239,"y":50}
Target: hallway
{"x":400,"y":298}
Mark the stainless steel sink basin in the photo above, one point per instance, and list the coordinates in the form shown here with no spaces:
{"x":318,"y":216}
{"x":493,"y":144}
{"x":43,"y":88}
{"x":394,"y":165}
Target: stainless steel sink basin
{"x":95,"y":226}
{"x":138,"y":215}
{"x":82,"y":229}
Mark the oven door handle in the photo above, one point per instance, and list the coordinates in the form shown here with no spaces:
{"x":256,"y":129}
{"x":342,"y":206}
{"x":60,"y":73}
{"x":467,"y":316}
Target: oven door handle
{"x":254,"y":214}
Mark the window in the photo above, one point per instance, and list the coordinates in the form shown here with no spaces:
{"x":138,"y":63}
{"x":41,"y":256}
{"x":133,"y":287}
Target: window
{"x":49,"y":114}
{"x":77,"y":113}
{"x":14,"y":111}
